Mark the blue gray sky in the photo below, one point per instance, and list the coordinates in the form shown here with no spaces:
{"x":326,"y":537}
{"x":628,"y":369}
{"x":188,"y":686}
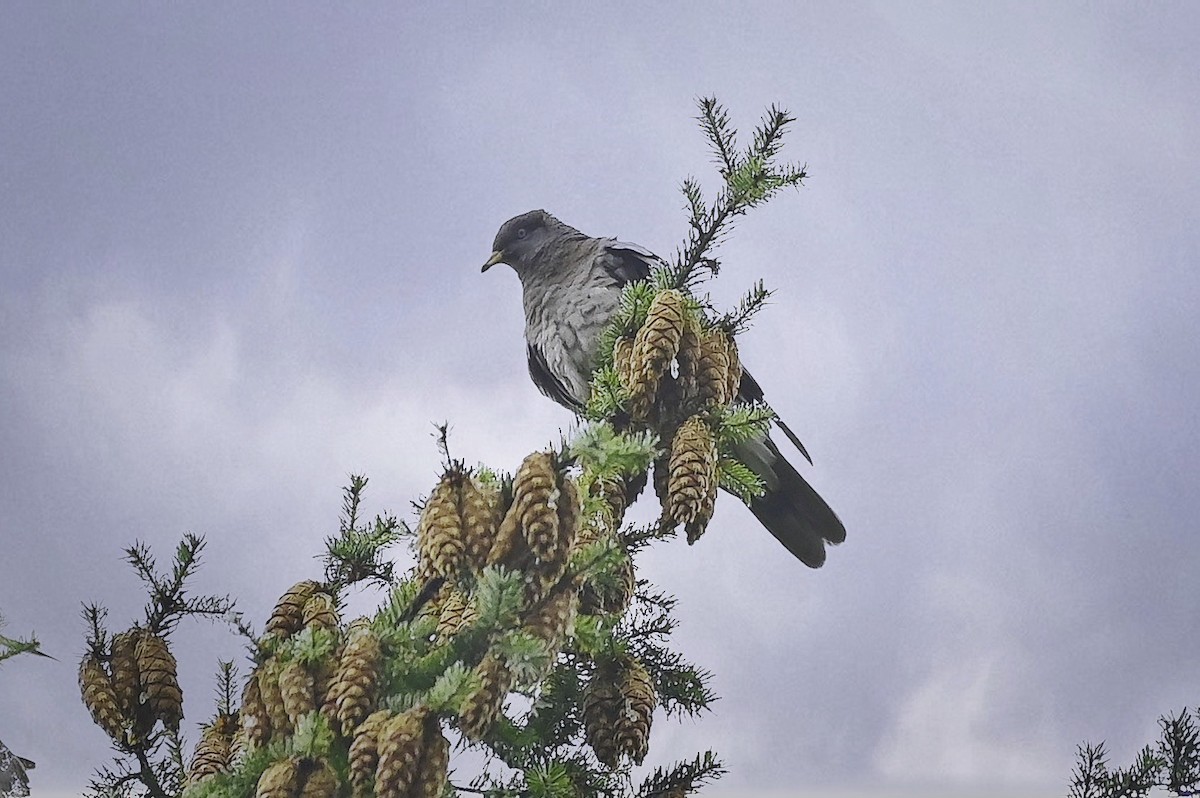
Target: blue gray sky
{"x":240,"y":249}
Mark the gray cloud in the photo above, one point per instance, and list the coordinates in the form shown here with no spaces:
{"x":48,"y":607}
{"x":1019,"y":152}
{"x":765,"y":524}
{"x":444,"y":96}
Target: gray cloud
{"x":241,"y":260}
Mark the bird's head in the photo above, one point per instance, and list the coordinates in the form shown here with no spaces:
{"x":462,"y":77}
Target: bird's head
{"x":520,"y":238}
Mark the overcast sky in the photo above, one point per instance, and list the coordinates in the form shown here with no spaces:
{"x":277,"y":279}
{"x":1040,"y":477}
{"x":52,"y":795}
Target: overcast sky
{"x":240,"y":250}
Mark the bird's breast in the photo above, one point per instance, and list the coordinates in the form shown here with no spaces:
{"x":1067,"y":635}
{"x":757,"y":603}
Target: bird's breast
{"x":565,"y":323}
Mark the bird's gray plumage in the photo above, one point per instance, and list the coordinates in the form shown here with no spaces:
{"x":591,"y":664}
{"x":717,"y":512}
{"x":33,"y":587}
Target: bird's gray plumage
{"x":14,"y":781}
{"x":571,"y":286}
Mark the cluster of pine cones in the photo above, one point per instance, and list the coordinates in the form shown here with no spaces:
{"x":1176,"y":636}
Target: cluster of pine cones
{"x":131,"y":686}
{"x":618,"y":705}
{"x":534,"y":526}
{"x":387,"y":758}
{"x":344,"y":687}
{"x":677,"y":403}
{"x":529,"y":526}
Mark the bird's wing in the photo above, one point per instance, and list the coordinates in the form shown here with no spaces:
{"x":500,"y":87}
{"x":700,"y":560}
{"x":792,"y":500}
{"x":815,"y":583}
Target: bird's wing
{"x":789,"y":508}
{"x":545,"y":380}
{"x":751,"y":391}
{"x":628,"y":263}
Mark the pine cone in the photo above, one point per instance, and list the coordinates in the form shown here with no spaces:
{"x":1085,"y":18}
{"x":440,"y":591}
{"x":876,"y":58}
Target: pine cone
{"x":692,"y":487}
{"x":456,"y":611}
{"x":707,"y":507}
{"x":613,"y":593}
{"x":213,"y":753}
{"x":623,"y":365}
{"x":570,"y":509}
{"x":633,"y":721}
{"x":320,"y":780}
{"x":297,"y":691}
{"x":239,"y":746}
{"x":662,"y":481}
{"x":535,"y":504}
{"x":280,"y":780}
{"x":601,"y":705}
{"x":542,"y":575}
{"x":288,"y":616}
{"x":505,"y":547}
{"x":593,"y":529}
{"x":357,"y":681}
{"x":481,"y":707}
{"x":157,"y":680}
{"x":435,"y":761}
{"x":256,"y":721}
{"x":272,"y":697}
{"x":622,"y":356}
{"x":320,"y":612}
{"x":323,"y":672}
{"x":479,"y":521}
{"x":655,"y":346}
{"x":734,"y":374}
{"x":125,"y":681}
{"x":616,"y":500}
{"x":621,"y":596}
{"x":100,"y":698}
{"x":689,"y":357}
{"x":552,"y":620}
{"x":400,"y":754}
{"x":364,"y":752}
{"x":712,"y":378}
{"x":127,"y":684}
{"x":440,"y":533}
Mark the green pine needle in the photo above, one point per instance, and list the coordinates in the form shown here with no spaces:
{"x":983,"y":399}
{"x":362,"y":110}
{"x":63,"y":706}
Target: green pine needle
{"x":550,"y":781}
{"x":738,"y":320}
{"x":455,"y":684}
{"x":737,"y":478}
{"x":741,"y":422}
{"x":527,"y":656}
{"x":608,"y":454}
{"x":686,"y":776}
{"x":499,"y":596}
{"x":608,"y":396}
{"x":313,"y":737}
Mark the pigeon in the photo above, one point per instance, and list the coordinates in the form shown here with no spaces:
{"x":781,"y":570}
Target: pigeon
{"x":14,"y":781}
{"x":571,"y":287}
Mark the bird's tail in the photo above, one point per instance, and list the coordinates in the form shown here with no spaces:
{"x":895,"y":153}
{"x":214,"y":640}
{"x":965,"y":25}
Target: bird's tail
{"x":790,"y":509}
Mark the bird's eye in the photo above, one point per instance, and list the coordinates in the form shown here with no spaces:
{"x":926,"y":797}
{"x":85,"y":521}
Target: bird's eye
{"x":522,"y":233}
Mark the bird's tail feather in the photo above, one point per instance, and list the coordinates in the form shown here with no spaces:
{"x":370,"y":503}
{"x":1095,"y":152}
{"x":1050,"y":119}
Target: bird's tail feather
{"x":791,"y":509}
{"x":791,"y":436}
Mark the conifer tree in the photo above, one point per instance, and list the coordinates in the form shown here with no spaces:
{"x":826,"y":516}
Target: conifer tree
{"x":14,"y":776}
{"x":523,"y":631}
{"x":1173,"y":763}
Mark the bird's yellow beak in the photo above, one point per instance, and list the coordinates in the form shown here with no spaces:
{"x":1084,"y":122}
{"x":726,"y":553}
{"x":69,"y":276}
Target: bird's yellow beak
{"x":497,"y":257}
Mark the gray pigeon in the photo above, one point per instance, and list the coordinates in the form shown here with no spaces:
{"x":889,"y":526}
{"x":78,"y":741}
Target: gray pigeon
{"x":571,"y":286}
{"x":14,"y":781}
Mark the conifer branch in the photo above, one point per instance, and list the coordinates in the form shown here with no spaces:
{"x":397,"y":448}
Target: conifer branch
{"x":683,"y":777}
{"x":526,"y":586}
{"x":226,"y":687}
{"x":15,"y":646}
{"x":1173,"y":763}
{"x":751,"y":178}
{"x":1179,"y":750}
{"x":737,"y":320}
{"x":722,"y":138}
{"x":169,"y":602}
{"x":355,"y":554}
